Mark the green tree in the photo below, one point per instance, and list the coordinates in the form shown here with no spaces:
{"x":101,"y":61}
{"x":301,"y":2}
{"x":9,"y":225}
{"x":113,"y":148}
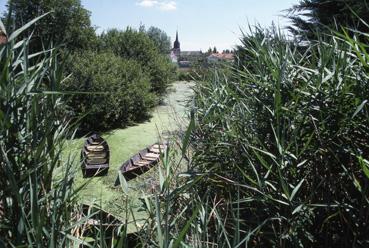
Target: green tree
{"x":312,"y":16}
{"x":160,"y":39}
{"x":68,"y":22}
{"x":215,"y":50}
{"x":131,"y":44}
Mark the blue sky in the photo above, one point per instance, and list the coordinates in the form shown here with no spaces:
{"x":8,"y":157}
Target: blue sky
{"x":200,"y":23}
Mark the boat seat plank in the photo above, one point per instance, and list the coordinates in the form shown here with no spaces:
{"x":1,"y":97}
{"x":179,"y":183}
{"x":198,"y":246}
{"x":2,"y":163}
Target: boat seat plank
{"x":152,"y":155}
{"x":153,"y":150}
{"x":100,"y":153}
{"x":149,"y":158}
{"x":142,"y":162}
{"x":95,"y":148}
{"x":157,"y":147}
{"x":95,"y":143}
{"x":93,"y":156}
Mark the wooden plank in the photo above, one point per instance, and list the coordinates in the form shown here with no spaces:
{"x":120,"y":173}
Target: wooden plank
{"x":152,"y":155}
{"x":162,"y":147}
{"x":100,"y":153}
{"x":149,"y":158}
{"x":142,"y":162}
{"x":153,"y":150}
{"x":95,"y":148}
{"x":92,"y":156}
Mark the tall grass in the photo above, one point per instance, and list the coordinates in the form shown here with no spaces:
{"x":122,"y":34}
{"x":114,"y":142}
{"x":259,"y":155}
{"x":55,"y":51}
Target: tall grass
{"x":36,"y":209}
{"x":283,"y":143}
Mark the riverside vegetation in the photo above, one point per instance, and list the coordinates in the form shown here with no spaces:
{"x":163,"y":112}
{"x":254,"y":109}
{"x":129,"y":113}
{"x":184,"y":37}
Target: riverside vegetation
{"x":120,"y":67}
{"x":275,"y":153}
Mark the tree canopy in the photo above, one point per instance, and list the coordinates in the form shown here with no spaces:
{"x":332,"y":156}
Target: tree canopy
{"x":68,"y":22}
{"x":310,"y":16}
{"x":160,"y":39}
{"x":132,"y":44}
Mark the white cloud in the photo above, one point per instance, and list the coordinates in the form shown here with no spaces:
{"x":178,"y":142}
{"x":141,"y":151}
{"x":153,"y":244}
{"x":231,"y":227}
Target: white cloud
{"x":160,"y":4}
{"x":168,"y":6}
{"x":147,"y":3}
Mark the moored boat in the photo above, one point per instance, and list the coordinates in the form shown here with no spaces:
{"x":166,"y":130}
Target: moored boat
{"x":95,"y":156}
{"x":141,"y":162}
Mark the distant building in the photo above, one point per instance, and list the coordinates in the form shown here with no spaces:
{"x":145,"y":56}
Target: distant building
{"x":220,"y":57}
{"x":190,"y":55}
{"x":176,"y":51}
{"x":184,"y":58}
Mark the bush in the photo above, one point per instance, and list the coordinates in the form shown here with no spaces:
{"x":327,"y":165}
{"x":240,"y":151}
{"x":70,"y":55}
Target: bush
{"x":117,"y":91}
{"x":284,"y":145}
{"x":138,"y":46}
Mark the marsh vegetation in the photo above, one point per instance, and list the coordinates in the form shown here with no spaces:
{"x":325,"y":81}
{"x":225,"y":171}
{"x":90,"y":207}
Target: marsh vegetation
{"x":273,"y":152}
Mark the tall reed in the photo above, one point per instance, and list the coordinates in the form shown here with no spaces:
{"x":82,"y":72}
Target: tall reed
{"x":36,"y":208}
{"x":282,"y":144}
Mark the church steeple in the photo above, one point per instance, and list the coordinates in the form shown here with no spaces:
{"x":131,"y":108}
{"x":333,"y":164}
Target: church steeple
{"x":177,"y":45}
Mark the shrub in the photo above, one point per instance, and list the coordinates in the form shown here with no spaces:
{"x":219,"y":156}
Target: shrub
{"x":117,"y":91}
{"x":138,"y":46}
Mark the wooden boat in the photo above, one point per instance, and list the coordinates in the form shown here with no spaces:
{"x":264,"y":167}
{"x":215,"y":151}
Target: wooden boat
{"x":95,"y":156}
{"x":141,"y":162}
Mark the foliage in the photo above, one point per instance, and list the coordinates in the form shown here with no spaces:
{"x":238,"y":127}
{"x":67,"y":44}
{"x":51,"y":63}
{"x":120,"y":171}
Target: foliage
{"x":68,"y":22}
{"x":36,"y":208}
{"x":310,"y":17}
{"x":130,"y":44}
{"x":160,"y":39}
{"x":245,"y":55}
{"x":282,"y":145}
{"x":118,"y":91}
{"x":184,"y":75}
